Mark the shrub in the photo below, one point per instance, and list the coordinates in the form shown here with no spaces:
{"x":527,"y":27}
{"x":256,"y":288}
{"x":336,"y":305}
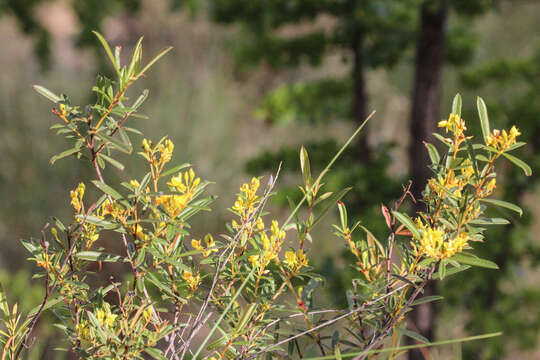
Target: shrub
{"x":248,"y":293}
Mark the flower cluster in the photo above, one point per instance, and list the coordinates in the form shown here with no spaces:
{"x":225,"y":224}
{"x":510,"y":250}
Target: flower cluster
{"x":191,"y":279}
{"x":295,"y":260}
{"x":437,"y":244}
{"x":502,"y":140}
{"x":245,"y":204}
{"x":271,"y":246}
{"x":185,"y":184}
{"x":77,"y":197}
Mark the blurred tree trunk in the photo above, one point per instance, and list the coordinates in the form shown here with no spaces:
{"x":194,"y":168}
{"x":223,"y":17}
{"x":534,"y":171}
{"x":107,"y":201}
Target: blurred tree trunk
{"x":424,"y":117}
{"x":360,"y":99}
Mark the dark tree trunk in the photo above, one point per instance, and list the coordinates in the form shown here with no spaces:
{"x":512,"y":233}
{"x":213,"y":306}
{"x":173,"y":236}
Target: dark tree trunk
{"x":360,"y":99}
{"x":424,"y":117}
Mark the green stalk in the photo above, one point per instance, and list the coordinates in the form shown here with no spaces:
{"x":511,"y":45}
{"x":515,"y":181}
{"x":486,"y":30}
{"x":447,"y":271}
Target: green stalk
{"x":409,"y":347}
{"x":334,"y":159}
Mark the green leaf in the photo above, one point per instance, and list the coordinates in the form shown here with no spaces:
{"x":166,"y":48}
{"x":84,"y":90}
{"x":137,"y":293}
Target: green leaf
{"x":112,"y":161}
{"x":245,"y":317}
{"x":489,"y":221}
{"x":47,"y":93}
{"x":426,"y":299}
{"x":474,"y":261}
{"x":156,"y":58}
{"x":107,"y":50}
{"x":64,"y":154}
{"x":107,"y":189}
{"x":140,"y":99}
{"x":174,"y":170}
{"x":504,"y":204}
{"x":413,"y":335}
{"x":484,"y":120}
{"x":456,"y":105}
{"x":117,"y":144}
{"x":155,"y":353}
{"x":405,"y":220}
{"x":3,"y":302}
{"x":433,"y":153}
{"x":99,"y":256}
{"x":526,"y":168}
{"x":451,"y":271}
{"x":305,"y":167}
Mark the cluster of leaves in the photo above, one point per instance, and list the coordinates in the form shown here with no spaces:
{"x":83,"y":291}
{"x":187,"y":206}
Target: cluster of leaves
{"x":254,"y":282}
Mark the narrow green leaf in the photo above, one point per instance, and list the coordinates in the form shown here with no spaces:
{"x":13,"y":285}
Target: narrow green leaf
{"x":407,"y":347}
{"x":155,"y":353}
{"x":406,"y":220}
{"x":504,"y":204}
{"x":174,"y":170}
{"x":433,"y":153}
{"x":413,"y":335}
{"x":474,"y":261}
{"x":245,"y":317}
{"x":3,"y":302}
{"x":107,"y":48}
{"x":156,"y":58}
{"x":426,"y":299}
{"x":47,"y":93}
{"x":305,"y":167}
{"x":489,"y":221}
{"x":452,"y":271}
{"x":107,"y":189}
{"x":98,"y":256}
{"x":135,"y":58}
{"x":140,"y":100}
{"x":116,"y":143}
{"x":64,"y":154}
{"x":526,"y":168}
{"x":484,"y":120}
{"x":113,"y":162}
{"x":456,"y":105}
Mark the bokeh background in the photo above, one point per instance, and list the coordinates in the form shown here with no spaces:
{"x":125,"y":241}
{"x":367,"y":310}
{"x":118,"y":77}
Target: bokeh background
{"x":248,"y":82}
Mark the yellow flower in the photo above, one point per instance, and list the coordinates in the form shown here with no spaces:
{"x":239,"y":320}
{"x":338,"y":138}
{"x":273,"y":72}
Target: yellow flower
{"x":197,"y":245}
{"x":147,"y":145}
{"x":209,"y":242}
{"x":490,"y":187}
{"x":454,"y":124}
{"x":147,"y":313}
{"x":105,"y":316}
{"x":244,"y":205}
{"x":259,"y":224}
{"x":431,"y":242}
{"x":83,"y":330}
{"x":166,"y":151}
{"x":434,"y":245}
{"x":449,"y":184}
{"x":138,"y":231}
{"x":134,"y":184}
{"x":254,"y":260}
{"x":502,"y":140}
{"x":290,"y":259}
{"x":295,"y":260}
{"x":77,"y":197}
{"x":192,"y":280}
